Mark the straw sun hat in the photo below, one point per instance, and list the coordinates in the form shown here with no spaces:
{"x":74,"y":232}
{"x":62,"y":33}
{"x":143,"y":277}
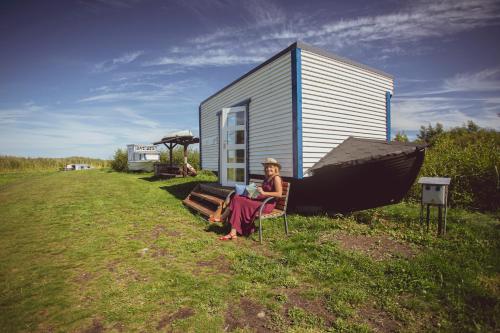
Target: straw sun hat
{"x":271,"y":161}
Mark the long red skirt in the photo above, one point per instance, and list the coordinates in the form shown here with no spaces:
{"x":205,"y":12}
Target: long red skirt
{"x":243,"y":212}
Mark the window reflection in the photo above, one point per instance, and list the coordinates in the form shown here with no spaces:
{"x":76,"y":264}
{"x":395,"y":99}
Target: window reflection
{"x":236,"y":156}
{"x":236,"y":118}
{"x":236,"y":137}
{"x":236,"y":174}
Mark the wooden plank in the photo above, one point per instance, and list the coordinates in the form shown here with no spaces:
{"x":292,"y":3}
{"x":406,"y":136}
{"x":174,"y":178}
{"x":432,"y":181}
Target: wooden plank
{"x":216,"y":190}
{"x":274,"y":213}
{"x":198,"y":207}
{"x":208,"y":197}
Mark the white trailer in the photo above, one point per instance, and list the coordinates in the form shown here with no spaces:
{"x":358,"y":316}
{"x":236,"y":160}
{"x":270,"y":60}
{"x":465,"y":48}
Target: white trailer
{"x":142,"y":157}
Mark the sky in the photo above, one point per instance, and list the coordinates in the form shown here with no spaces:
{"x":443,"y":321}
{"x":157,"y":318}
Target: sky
{"x":88,"y":77}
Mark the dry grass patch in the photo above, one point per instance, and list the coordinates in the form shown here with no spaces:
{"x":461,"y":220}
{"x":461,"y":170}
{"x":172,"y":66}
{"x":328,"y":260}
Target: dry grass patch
{"x":377,"y":247}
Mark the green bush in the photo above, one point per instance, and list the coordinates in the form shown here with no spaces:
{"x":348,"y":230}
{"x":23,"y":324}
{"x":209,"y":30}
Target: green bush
{"x":120,"y":161}
{"x":178,"y":157}
{"x":470,"y":156}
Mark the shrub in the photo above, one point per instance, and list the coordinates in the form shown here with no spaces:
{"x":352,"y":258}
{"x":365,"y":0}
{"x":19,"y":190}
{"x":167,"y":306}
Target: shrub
{"x":120,"y":161}
{"x":429,"y":134}
{"x":401,"y":137}
{"x":178,"y":157}
{"x":470,"y":156}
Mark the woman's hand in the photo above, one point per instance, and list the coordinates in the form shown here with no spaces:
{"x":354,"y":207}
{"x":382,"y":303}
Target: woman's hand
{"x":260,"y":190}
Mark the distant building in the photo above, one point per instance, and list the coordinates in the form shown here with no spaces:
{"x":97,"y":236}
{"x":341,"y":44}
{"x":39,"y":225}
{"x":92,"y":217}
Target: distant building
{"x":142,"y":157}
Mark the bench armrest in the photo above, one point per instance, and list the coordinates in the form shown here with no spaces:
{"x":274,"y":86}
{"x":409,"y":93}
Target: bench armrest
{"x":228,"y":197}
{"x":263,"y":204}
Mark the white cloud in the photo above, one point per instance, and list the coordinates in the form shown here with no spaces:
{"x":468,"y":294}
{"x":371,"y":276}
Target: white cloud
{"x":264,"y":13}
{"x":109,"y":65}
{"x":214,"y":57}
{"x":410,"y":114}
{"x":452,"y":101}
{"x":93,"y":132}
{"x":266,"y":29}
{"x":425,"y":19}
{"x":157,"y":92}
{"x":485,"y":80}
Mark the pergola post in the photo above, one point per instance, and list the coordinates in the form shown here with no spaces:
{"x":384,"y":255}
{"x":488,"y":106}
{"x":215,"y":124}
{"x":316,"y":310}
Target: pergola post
{"x":170,"y":147}
{"x":171,"y":154}
{"x":185,"y":159}
{"x":171,"y":142}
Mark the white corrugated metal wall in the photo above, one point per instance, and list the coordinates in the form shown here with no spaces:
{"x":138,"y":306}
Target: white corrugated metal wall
{"x":339,"y":100}
{"x":270,"y":117}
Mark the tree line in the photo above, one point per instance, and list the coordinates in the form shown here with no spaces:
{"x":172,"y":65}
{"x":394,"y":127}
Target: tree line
{"x":469,"y":155}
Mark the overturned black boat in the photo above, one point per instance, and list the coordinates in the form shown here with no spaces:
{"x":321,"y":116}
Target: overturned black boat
{"x":358,"y":174}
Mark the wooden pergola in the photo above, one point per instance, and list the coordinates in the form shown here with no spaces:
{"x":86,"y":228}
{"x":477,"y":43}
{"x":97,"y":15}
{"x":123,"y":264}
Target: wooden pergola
{"x":172,"y":141}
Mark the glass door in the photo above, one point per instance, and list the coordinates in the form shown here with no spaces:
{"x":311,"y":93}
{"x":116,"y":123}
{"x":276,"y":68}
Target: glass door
{"x":233,"y":146}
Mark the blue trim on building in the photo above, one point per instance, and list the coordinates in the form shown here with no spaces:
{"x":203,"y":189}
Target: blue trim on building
{"x":297,"y":112}
{"x":298,"y":55}
{"x":294,"y":112}
{"x":199,"y":133}
{"x":388,"y":97}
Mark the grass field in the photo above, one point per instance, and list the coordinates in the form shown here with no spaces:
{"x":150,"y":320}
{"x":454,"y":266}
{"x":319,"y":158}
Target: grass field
{"x":99,"y":251}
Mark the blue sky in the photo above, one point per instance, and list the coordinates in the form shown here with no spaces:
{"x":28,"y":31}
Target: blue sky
{"x":88,"y":77}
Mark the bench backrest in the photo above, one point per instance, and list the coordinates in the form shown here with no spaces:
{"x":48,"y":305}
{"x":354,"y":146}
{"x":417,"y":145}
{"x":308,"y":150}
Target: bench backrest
{"x":282,"y":202}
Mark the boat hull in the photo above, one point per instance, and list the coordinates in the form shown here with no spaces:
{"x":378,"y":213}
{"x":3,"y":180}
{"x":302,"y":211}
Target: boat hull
{"x":347,"y":188}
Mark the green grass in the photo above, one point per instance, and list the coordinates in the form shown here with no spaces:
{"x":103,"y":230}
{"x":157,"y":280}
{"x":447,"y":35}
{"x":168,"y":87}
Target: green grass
{"x":105,"y":251}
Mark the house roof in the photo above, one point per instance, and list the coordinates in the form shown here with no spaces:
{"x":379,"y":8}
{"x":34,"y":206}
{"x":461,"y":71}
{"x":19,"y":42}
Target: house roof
{"x":307,"y":47}
{"x":182,"y":139}
{"x":354,"y":151}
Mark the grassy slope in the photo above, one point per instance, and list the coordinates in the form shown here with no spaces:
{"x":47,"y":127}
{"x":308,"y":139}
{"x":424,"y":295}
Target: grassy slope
{"x":96,"y":251}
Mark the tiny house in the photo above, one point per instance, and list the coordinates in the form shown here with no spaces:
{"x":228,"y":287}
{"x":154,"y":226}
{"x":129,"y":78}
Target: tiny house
{"x":296,"y":107}
{"x":142,"y":157}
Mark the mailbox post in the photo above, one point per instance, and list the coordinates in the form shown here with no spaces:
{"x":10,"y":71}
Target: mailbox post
{"x":435,"y":192}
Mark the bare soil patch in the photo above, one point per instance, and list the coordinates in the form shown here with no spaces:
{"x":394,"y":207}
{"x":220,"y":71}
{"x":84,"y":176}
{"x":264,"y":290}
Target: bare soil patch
{"x":133,"y":275}
{"x":157,"y":231}
{"x":172,"y":233}
{"x":83,"y":277}
{"x":315,"y":306}
{"x":112,"y":265}
{"x":180,"y":314}
{"x":96,"y":327}
{"x":158,"y":252}
{"x":378,"y":247}
{"x":119,"y":327}
{"x":219,"y":264}
{"x":378,"y":320}
{"x":246,"y":314}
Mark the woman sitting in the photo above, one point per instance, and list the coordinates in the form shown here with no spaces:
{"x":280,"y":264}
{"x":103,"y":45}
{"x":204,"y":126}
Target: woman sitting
{"x":243,"y":210}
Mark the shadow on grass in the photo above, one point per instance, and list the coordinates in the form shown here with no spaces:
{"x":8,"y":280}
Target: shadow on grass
{"x":220,"y":229}
{"x":181,"y":190}
{"x":153,"y":179}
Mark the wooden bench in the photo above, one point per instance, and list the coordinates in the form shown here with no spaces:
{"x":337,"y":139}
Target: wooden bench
{"x":278,"y":211}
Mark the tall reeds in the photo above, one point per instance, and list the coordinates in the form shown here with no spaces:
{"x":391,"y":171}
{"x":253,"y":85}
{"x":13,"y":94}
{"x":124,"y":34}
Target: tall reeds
{"x":16,"y":164}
